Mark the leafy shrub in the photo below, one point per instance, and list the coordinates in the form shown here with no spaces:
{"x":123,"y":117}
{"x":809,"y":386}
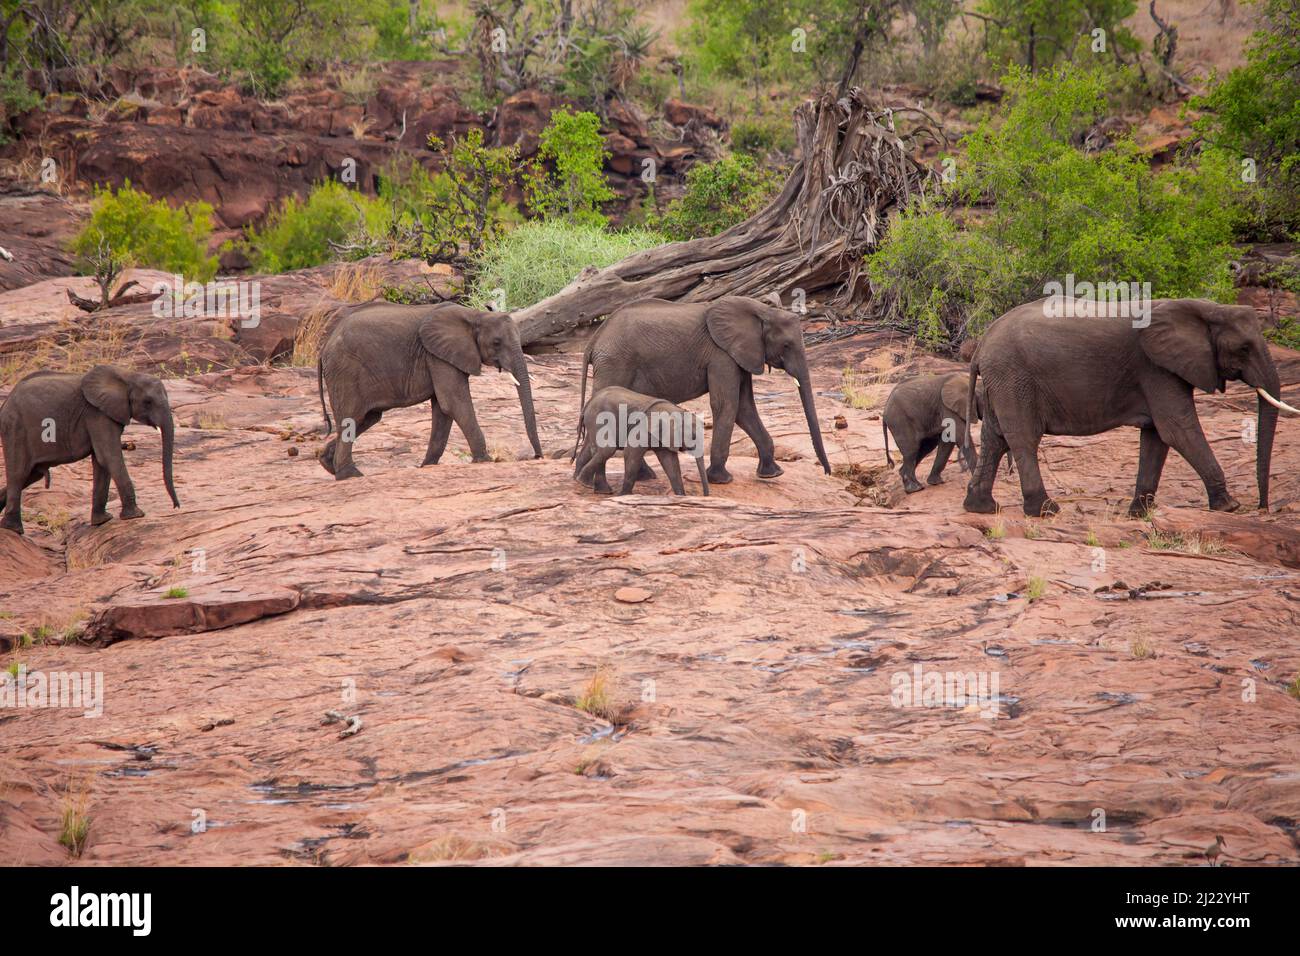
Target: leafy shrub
{"x":540,"y":258}
{"x":719,"y":195}
{"x":1254,"y":113}
{"x":465,"y":206}
{"x":569,"y":181}
{"x":758,"y":137}
{"x":297,"y":235}
{"x":145,"y":232}
{"x":1102,"y":216}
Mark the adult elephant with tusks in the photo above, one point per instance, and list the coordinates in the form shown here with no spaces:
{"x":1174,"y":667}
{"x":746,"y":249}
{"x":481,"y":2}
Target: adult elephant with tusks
{"x":678,"y":351}
{"x":1072,"y":374}
{"x":382,"y":355}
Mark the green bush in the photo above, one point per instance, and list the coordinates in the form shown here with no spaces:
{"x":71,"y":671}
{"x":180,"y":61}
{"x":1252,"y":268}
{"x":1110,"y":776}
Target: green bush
{"x":1254,"y":114}
{"x":297,"y":235}
{"x":1056,"y":210}
{"x":569,"y":181}
{"x":719,"y":195}
{"x":149,"y":233}
{"x":540,"y":258}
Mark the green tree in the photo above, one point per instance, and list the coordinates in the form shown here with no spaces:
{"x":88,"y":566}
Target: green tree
{"x":717,"y":196}
{"x":1254,"y":114}
{"x":568,"y":181}
{"x":1038,"y":33}
{"x":142,"y":231}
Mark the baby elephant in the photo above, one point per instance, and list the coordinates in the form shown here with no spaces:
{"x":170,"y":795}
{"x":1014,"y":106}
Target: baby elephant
{"x":54,"y":418}
{"x":926,"y":414}
{"x":619,"y":418}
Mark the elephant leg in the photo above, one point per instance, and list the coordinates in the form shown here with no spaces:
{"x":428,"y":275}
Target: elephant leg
{"x":724,"y":405}
{"x":1183,"y":433}
{"x":106,"y":445}
{"x":1037,"y":502}
{"x":454,"y":399}
{"x":99,"y":493}
{"x":668,"y":459}
{"x":911,"y":453}
{"x":593,"y":473}
{"x":13,"y":500}
{"x":632,"y":459}
{"x":747,"y":418}
{"x":1151,"y":462}
{"x":979,"y":490}
{"x":343,"y":466}
{"x":439,"y":432}
{"x":941,"y":454}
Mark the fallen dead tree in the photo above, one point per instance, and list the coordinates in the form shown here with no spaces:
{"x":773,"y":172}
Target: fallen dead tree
{"x":856,"y":169}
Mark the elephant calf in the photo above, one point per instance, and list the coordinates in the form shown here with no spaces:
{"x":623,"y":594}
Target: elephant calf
{"x":54,"y":418}
{"x":383,"y":356}
{"x":617,"y":418}
{"x":926,"y":415}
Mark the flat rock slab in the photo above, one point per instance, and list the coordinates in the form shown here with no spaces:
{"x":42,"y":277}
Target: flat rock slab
{"x":164,"y":616}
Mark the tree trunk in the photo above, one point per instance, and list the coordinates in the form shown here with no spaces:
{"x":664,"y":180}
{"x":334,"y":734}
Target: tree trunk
{"x":853,"y":172}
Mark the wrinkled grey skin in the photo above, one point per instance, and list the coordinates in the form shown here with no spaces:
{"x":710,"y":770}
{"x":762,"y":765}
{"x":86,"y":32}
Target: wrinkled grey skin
{"x":381,"y":356}
{"x":681,"y":350}
{"x":918,"y":413}
{"x":589,"y":464}
{"x":1082,"y":376}
{"x":88,"y":413}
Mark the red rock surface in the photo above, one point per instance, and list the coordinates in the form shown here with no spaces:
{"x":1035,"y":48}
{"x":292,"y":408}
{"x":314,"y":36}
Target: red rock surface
{"x":462,"y":610}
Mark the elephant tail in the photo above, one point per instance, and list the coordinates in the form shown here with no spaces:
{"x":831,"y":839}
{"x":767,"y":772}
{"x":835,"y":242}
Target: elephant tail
{"x":582,"y":395}
{"x":320,"y":385}
{"x":884,"y":430}
{"x":971,"y":410}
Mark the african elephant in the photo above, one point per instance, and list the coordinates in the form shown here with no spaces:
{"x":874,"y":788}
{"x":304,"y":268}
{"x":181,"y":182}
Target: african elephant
{"x":680,"y":350}
{"x":927,"y":414}
{"x":382,"y":356}
{"x":1082,"y":376}
{"x":618,"y":418}
{"x":54,"y":418}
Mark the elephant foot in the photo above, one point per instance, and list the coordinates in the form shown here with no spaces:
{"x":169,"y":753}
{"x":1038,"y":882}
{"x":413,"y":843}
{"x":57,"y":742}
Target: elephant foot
{"x":480,"y":459}
{"x":1140,"y":506}
{"x":770,"y":469}
{"x":1041,"y":508}
{"x":934,"y":480}
{"x":326,"y":458}
{"x":912,"y":486}
{"x":980,"y":504}
{"x":130,"y":513}
{"x":601,"y":488}
{"x":15,"y":526}
{"x":1225,"y":503}
{"x":99,"y":517}
{"x":347,"y":471}
{"x":718,"y":475}
{"x":430,"y":460}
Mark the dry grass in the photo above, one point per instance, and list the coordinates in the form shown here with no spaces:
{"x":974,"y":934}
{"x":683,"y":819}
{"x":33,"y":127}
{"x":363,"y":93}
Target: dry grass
{"x":453,"y":847}
{"x":355,"y":282}
{"x":595,"y":698}
{"x":1184,"y":544}
{"x":867,"y":387}
{"x":210,"y":421}
{"x":309,"y":337}
{"x":74,"y":827}
{"x":1036,"y":588}
{"x":73,"y":348}
{"x":1141,"y":648}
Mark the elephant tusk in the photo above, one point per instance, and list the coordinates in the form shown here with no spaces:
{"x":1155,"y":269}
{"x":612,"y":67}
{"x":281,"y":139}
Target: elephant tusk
{"x":1275,"y":403}
{"x":512,"y":379}
{"x":795,"y":380}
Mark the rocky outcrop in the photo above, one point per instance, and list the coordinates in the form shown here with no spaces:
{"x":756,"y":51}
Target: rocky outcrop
{"x":554,"y":676}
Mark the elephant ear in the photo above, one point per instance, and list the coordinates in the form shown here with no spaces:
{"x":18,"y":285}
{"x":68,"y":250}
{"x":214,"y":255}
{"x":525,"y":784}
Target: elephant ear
{"x":447,"y":334}
{"x":954,"y":393}
{"x":1178,"y":339}
{"x":104,"y":387}
{"x":734,"y":323}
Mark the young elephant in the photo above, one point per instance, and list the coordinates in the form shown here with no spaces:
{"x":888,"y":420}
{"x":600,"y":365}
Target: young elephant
{"x":926,"y":414}
{"x":619,"y":418}
{"x":54,"y":418}
{"x":383,"y":356}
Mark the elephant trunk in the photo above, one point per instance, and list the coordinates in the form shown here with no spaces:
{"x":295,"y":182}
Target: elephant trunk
{"x":525,"y":389}
{"x":167,"y":428}
{"x":1266,"y":427}
{"x":799,"y":371}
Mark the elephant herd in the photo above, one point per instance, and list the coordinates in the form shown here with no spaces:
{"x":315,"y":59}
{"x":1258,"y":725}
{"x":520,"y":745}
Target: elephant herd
{"x":1030,"y":375}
